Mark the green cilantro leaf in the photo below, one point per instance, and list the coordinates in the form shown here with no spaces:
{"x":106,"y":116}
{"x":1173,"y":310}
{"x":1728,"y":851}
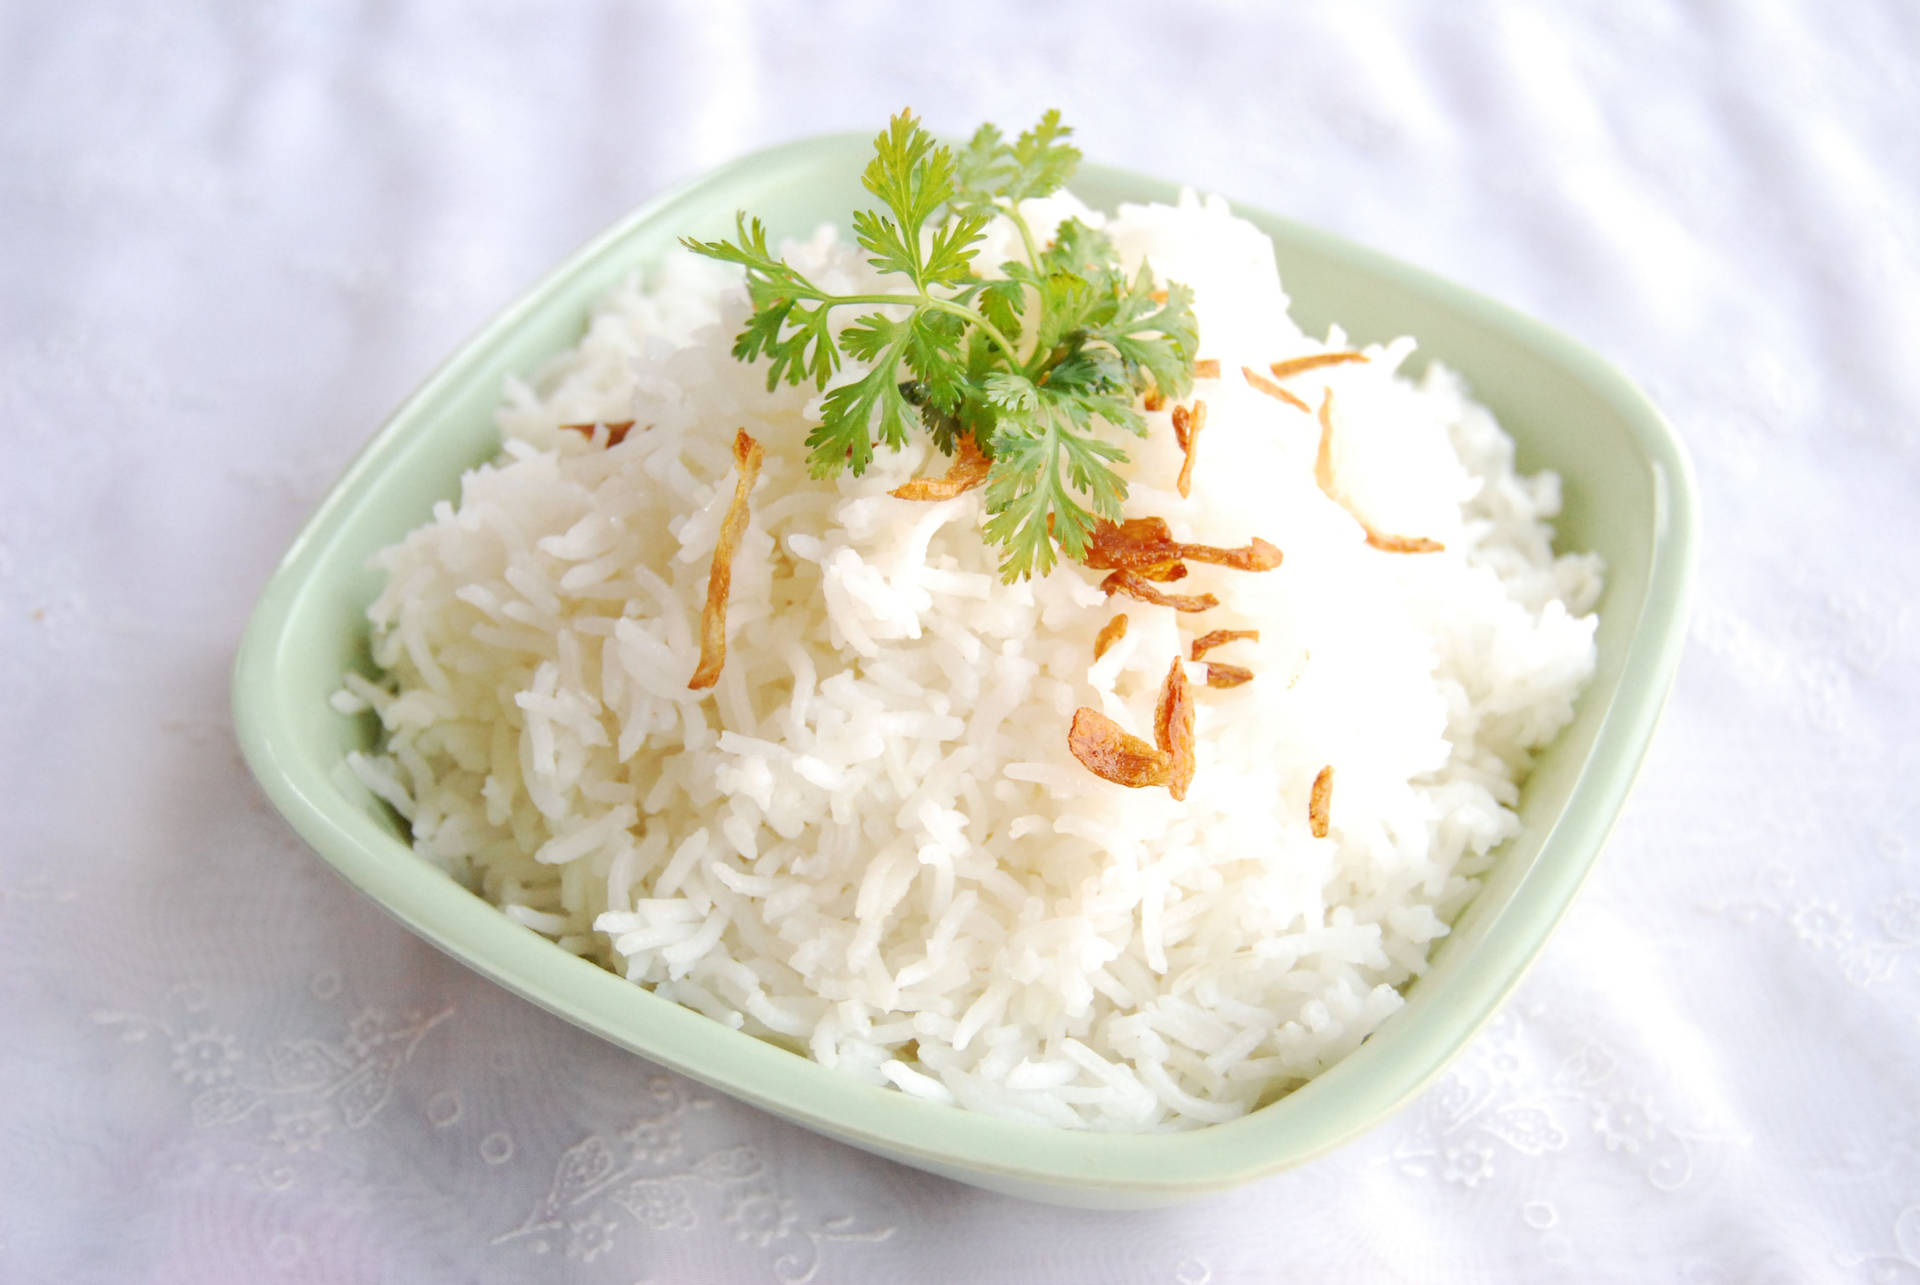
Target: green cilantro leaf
{"x":844,"y":436}
{"x":991,"y":171}
{"x":1156,"y":338}
{"x":1038,"y":362}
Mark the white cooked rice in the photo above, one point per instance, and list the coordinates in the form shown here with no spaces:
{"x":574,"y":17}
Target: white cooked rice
{"x":869,"y":842}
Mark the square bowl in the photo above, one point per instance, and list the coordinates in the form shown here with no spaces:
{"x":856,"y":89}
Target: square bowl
{"x":1629,"y":496}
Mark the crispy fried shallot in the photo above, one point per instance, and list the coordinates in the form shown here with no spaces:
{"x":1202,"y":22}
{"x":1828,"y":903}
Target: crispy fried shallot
{"x":1173,"y":728}
{"x":1186,"y":430}
{"x":1131,"y":543}
{"x":1282,"y":369}
{"x":1323,"y":459}
{"x":1403,"y":543}
{"x":1207,"y":368}
{"x":1134,"y":585}
{"x":713,"y":621}
{"x":968,"y":470}
{"x":1110,"y":633}
{"x":1114,"y":754}
{"x":1272,"y":389}
{"x":1320,"y":805}
{"x":1220,"y":637}
{"x":1323,"y":475}
{"x":1137,"y":544}
{"x":1255,"y":555}
{"x":1219,"y":675}
{"x":617,"y":429}
{"x":1154,"y":399}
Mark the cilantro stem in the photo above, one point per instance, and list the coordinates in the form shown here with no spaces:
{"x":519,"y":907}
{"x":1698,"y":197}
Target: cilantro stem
{"x":939,"y":305}
{"x":992,"y":332}
{"x":1012,"y":209}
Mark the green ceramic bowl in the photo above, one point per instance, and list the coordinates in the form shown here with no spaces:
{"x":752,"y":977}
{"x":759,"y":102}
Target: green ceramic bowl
{"x":1629,"y":495}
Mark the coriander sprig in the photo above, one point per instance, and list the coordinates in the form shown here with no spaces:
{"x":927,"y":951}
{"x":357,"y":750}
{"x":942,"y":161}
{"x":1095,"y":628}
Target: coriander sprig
{"x":1038,"y":362}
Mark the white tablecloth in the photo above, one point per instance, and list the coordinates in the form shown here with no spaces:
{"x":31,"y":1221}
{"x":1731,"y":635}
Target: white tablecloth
{"x":232,"y":239}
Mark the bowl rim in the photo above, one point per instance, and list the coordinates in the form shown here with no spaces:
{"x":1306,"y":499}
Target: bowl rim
{"x":1324,"y":1113}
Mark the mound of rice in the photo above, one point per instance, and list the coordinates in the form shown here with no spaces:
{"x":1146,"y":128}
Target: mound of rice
{"x":869,"y":842}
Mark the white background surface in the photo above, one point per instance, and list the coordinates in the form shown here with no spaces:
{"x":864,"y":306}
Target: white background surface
{"x":231,"y":240}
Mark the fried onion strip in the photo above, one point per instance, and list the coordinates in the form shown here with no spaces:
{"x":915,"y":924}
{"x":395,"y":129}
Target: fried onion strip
{"x":1221,"y":675}
{"x":1272,"y":389}
{"x":969,"y":469}
{"x":713,"y":620}
{"x":1296,"y":365}
{"x":1114,"y":754}
{"x":1220,"y":637}
{"x":1255,"y":555}
{"x":1134,"y":585}
{"x":1173,"y":728}
{"x":1403,"y":543}
{"x":1207,"y":368}
{"x":1188,"y":435}
{"x":1323,"y":458}
{"x":1320,"y":805}
{"x":1137,"y":544}
{"x":1323,"y":476}
{"x":617,"y":429}
{"x":1110,"y":633}
{"x":1130,"y":544}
